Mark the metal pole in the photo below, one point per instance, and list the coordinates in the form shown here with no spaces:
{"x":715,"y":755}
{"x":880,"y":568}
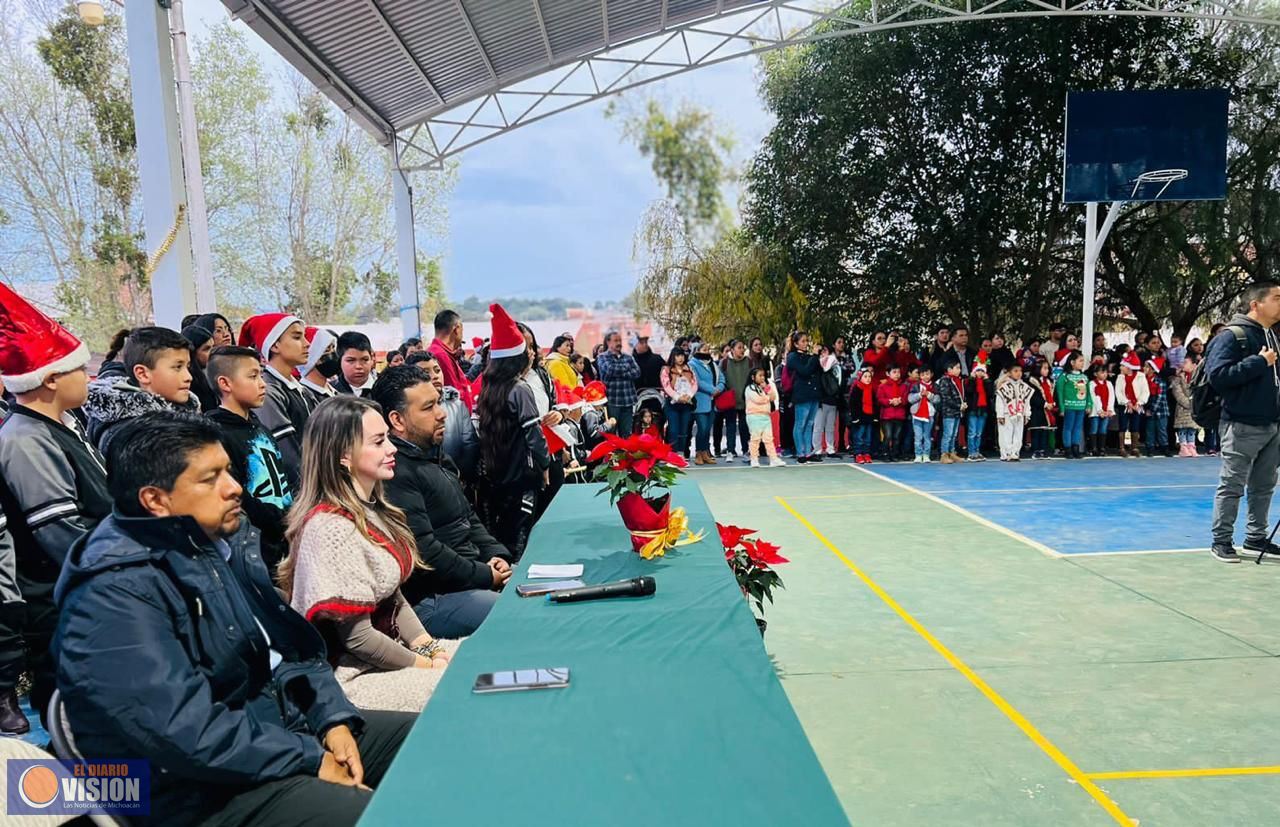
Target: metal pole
{"x":155,"y":118}
{"x":1090,"y":270}
{"x":197,"y":214}
{"x":406,"y":250}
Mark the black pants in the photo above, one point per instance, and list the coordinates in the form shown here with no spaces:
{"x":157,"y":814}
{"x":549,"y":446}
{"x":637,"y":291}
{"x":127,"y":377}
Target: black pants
{"x":12,"y":654}
{"x":556,"y":477}
{"x":38,"y":626}
{"x":892,"y":438}
{"x":511,"y":517}
{"x":787,"y":424}
{"x":303,"y":801}
{"x":735,"y":421}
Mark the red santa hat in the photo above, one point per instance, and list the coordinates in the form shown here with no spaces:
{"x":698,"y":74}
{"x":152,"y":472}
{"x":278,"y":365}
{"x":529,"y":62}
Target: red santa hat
{"x":1066,"y":359}
{"x":1156,"y":363}
{"x":567,"y":400}
{"x":507,"y":340}
{"x":594,"y":393}
{"x":262,"y":331}
{"x":476,"y":343}
{"x":319,"y":339}
{"x":33,"y":347}
{"x":1131,"y":362}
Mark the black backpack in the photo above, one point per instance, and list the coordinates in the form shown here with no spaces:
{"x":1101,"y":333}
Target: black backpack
{"x":830,"y":384}
{"x":1206,"y":404}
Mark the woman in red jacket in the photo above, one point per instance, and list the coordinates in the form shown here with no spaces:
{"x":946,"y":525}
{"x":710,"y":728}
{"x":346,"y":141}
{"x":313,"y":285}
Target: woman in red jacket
{"x":878,"y":356}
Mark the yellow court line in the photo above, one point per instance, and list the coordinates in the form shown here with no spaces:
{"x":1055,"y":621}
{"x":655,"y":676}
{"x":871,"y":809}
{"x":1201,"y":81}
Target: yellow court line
{"x":1209,"y":772}
{"x":1045,"y":745}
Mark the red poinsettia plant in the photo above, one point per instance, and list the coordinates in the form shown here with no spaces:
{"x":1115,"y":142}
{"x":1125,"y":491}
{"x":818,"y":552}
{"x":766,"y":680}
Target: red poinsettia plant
{"x":752,"y":562}
{"x":636,"y":465}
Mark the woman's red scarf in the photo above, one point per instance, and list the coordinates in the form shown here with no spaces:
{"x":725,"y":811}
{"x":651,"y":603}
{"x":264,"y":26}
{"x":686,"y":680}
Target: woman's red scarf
{"x":1103,"y":392}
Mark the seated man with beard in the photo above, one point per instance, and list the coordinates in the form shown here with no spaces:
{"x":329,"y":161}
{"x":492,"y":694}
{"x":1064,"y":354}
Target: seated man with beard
{"x":466,"y":565}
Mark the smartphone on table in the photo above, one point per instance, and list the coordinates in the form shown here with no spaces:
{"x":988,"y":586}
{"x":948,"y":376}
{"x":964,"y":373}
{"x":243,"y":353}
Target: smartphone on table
{"x":517,"y":680}
{"x":546,"y":587}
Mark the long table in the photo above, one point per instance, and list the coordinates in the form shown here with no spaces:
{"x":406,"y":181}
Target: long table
{"x":674,"y":714}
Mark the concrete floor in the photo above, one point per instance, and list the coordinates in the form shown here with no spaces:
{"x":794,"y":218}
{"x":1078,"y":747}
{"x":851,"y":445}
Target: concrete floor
{"x":1090,"y":664}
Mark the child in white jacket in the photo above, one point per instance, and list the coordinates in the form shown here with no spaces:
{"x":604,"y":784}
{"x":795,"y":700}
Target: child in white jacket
{"x":1132,"y":392}
{"x":1013,"y":410}
{"x":1102,"y":408}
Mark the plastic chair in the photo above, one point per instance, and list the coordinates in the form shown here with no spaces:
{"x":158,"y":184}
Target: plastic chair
{"x":64,"y":746}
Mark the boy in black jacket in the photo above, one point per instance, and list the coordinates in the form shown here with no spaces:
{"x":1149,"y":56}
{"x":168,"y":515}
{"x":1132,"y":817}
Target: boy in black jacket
{"x":53,"y":488}
{"x":256,"y":461}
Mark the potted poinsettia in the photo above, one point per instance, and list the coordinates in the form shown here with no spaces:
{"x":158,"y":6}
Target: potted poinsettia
{"x":638,"y":472}
{"x":752,"y":562}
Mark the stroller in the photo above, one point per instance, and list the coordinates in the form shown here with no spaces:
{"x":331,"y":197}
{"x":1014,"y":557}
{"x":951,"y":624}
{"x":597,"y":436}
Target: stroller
{"x":655,"y":400}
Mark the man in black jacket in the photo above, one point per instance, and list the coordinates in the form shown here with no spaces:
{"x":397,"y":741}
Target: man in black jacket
{"x":1241,"y":365}
{"x":174,"y":647}
{"x":467,"y":566}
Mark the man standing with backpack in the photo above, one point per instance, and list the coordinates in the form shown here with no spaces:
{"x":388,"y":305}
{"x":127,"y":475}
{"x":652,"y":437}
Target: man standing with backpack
{"x":1240,"y":367}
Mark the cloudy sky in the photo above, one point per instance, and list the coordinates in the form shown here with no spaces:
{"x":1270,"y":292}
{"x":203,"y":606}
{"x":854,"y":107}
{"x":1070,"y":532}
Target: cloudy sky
{"x":550,"y":209}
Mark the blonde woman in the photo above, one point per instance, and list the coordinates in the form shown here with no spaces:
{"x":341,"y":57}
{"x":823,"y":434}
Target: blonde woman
{"x":350,"y":551}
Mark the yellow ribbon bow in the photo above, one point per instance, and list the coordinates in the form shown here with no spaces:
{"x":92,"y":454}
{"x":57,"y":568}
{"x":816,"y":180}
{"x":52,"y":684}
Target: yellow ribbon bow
{"x":675,"y":534}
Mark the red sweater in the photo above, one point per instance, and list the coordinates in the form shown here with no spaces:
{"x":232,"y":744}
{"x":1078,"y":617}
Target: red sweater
{"x":887,"y":390}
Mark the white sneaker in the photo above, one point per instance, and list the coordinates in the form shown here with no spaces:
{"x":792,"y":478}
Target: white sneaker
{"x":926,"y":459}
{"x":746,"y":458}
{"x":777,"y":462}
{"x":755,"y":463}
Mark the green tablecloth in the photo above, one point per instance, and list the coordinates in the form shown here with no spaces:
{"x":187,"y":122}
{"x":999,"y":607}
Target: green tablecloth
{"x":674,"y":714}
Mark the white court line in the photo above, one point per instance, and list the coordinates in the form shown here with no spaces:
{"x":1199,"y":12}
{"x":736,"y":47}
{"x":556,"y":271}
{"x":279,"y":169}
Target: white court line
{"x":982,"y":521}
{"x":1009,"y":490}
{"x":1140,"y":551}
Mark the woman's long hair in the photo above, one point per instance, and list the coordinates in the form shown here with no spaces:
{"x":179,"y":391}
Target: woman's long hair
{"x":533,"y":344}
{"x":497,"y":428}
{"x":335,"y":429}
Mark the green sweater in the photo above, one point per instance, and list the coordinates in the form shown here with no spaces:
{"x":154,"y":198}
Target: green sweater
{"x":1073,"y":392}
{"x":737,"y":375}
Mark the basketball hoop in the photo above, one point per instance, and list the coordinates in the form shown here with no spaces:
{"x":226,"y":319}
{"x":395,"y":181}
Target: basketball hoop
{"x":1158,"y":176}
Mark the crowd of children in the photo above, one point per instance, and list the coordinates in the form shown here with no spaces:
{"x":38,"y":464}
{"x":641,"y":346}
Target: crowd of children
{"x":961,"y":404}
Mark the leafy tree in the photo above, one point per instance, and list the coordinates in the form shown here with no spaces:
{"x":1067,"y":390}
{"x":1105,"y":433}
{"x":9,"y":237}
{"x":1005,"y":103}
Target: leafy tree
{"x":915,"y":174}
{"x":691,"y":157}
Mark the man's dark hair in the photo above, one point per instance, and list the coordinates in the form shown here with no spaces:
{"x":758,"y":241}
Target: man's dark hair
{"x":412,"y":341}
{"x":189,"y":319}
{"x":1255,"y":292}
{"x":225,"y":361}
{"x":445,"y":321}
{"x":153,"y":450}
{"x":1058,"y":326}
{"x":956,"y":329}
{"x":388,"y":390}
{"x":941,"y":327}
{"x":353,"y":340}
{"x":418,"y":357}
{"x":145,"y":344}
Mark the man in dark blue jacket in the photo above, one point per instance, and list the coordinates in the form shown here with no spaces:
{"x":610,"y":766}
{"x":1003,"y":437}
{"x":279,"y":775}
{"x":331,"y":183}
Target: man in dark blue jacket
{"x":1240,"y":363}
{"x":173,"y":646}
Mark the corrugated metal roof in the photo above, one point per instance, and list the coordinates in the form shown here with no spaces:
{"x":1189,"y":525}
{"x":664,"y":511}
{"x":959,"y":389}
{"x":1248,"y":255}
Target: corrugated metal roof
{"x":392,"y":64}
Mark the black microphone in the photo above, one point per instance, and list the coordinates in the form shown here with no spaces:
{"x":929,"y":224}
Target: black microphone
{"x":635,"y":587}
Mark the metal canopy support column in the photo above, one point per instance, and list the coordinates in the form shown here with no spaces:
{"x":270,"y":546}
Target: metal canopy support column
{"x":406,"y":249}
{"x":197,"y":212}
{"x":155,"y":118}
{"x":1094,"y":238}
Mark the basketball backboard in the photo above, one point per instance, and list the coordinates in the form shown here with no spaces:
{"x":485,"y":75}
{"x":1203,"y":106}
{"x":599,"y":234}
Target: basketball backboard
{"x":1150,"y":145}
